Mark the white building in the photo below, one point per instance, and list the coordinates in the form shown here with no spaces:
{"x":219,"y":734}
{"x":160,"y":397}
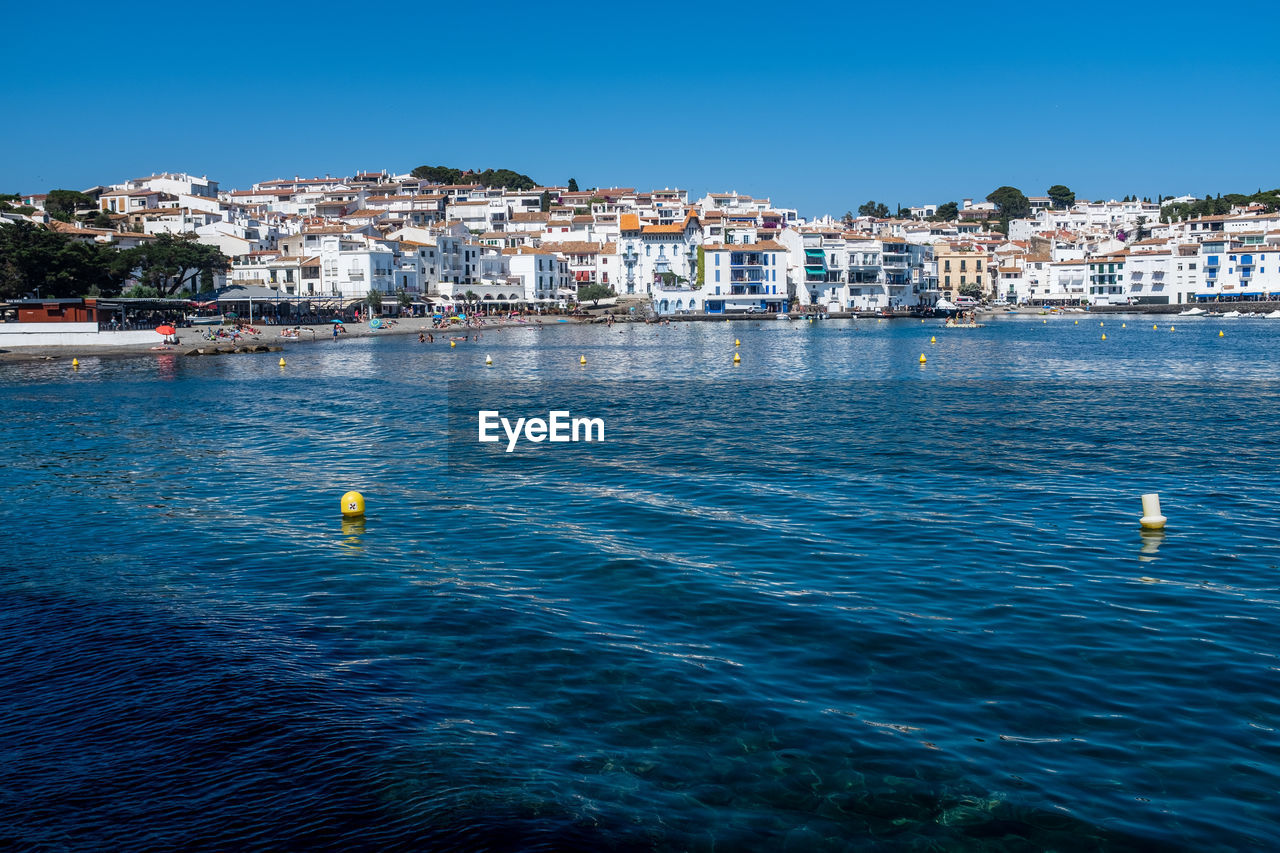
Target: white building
{"x":656,"y":254}
{"x":741,"y":277}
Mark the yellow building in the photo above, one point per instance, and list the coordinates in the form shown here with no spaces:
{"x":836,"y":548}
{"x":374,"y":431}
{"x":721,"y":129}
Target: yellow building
{"x":962,"y":265}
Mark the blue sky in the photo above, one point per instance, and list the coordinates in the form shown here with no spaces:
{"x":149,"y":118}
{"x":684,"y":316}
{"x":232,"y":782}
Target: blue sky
{"x":818,"y":106}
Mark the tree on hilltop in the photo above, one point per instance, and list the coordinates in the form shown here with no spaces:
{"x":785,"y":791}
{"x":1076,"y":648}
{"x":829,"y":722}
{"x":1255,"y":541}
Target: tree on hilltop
{"x":874,"y":209}
{"x":946,"y":212}
{"x":438,"y":174}
{"x":573,"y":185}
{"x":1061,"y":196}
{"x":1009,"y":202}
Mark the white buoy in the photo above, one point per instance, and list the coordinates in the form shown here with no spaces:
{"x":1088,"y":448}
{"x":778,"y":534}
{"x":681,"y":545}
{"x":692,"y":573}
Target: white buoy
{"x":1151,"y":517}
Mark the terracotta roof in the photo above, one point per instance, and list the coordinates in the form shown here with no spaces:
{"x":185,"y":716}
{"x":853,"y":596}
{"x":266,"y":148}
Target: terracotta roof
{"x":629,"y":222}
{"x":764,"y":246}
{"x":574,"y":247}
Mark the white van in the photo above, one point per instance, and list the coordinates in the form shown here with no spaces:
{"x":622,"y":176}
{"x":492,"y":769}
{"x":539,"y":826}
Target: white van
{"x":966,"y":303}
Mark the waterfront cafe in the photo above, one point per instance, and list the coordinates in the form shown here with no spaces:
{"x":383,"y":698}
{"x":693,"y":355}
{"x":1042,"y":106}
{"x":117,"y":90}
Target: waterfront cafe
{"x":255,"y":303}
{"x":115,"y":314}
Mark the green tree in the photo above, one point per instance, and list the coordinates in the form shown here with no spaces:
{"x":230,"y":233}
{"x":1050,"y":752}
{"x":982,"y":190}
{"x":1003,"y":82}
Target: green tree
{"x":1061,"y":196}
{"x":544,"y":201}
{"x":847,"y":219}
{"x":875,"y":209}
{"x":34,"y":259}
{"x":702,"y":266}
{"x":101,"y":220}
{"x":403,"y":298}
{"x":594,"y":292}
{"x":1010,"y":202}
{"x":438,"y":174}
{"x":374,"y":299}
{"x":971,"y":289}
{"x":504,"y":178}
{"x":946,"y":212}
{"x":573,"y":185}
{"x":62,"y":204}
{"x":169,"y":263}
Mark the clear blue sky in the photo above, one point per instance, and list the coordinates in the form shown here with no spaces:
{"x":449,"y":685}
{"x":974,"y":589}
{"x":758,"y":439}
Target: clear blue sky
{"x":818,"y":106}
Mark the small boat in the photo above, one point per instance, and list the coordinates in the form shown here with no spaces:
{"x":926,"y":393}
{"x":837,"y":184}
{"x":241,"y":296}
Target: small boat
{"x":783,"y":317}
{"x":1193,"y":312}
{"x":1274,"y":315}
{"x":207,"y":321}
{"x":1231,"y":315}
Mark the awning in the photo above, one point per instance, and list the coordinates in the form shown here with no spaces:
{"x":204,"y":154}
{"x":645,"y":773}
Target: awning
{"x":814,"y":253}
{"x":1250,"y":293}
{"x":814,"y":269}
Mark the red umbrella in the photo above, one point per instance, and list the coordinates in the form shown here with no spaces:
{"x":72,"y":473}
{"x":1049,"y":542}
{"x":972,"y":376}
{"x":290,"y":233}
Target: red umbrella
{"x":166,"y":330}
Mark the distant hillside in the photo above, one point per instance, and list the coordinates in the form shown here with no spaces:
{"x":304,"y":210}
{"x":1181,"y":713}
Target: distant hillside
{"x":488,"y":178}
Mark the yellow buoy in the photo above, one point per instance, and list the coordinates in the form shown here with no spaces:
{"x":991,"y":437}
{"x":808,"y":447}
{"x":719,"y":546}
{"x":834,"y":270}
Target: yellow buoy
{"x":353,"y":505}
{"x":582,"y":359}
{"x":1219,"y":333}
{"x":933,"y":339}
{"x":488,"y":360}
{"x":1077,"y":322}
{"x":453,"y":343}
{"x":1151,"y":517}
{"x":75,"y":362}
{"x":1171,"y":328}
{"x":282,"y":361}
{"x":1104,"y":336}
{"x":1100,"y":323}
{"x":737,"y":343}
{"x":922,"y":359}
{"x":737,"y":359}
{"x":1122,"y":325}
{"x":1154,"y":326}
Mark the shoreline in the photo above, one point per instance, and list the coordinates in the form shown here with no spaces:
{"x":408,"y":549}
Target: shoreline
{"x":192,"y":338}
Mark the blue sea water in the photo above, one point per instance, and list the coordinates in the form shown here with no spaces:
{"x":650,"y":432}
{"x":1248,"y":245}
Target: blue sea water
{"x":827,"y":599}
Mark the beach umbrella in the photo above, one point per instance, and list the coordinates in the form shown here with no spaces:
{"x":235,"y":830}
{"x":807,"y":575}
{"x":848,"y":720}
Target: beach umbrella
{"x":166,"y":330}
{"x":339,"y":322}
{"x":233,"y":315}
{"x":375,"y":323}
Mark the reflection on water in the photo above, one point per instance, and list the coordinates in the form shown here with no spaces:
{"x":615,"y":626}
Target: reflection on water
{"x":1151,"y":542}
{"x":813,"y":612}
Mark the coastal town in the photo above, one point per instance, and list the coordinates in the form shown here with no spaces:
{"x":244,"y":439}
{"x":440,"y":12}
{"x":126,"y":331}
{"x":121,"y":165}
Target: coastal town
{"x":405,"y":243}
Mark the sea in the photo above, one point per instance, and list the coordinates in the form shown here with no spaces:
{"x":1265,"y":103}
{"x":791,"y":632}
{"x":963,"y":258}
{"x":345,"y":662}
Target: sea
{"x":831,"y":597}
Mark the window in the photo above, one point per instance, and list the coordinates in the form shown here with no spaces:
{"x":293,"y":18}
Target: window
{"x":717,"y":279}
{"x":964,"y":265}
{"x":948,"y":279}
{"x":947,"y":265}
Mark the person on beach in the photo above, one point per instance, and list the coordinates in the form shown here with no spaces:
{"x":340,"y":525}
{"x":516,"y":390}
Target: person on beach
{"x":431,"y":339}
{"x":335,"y":331}
{"x":422,"y":339}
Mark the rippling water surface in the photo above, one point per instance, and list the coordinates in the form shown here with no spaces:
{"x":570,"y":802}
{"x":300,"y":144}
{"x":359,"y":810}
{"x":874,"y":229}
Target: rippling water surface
{"x":828,"y":599}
